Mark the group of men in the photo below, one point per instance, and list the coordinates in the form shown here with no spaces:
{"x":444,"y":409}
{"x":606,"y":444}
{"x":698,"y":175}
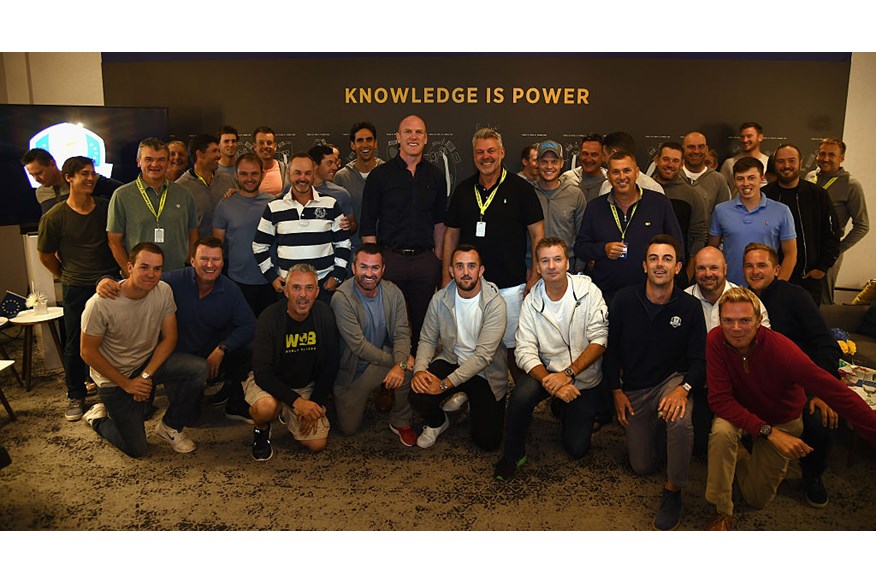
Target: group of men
{"x":474,"y":297}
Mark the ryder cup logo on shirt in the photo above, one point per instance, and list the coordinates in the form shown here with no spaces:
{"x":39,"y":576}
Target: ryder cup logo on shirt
{"x":675,"y":321}
{"x":320,"y":213}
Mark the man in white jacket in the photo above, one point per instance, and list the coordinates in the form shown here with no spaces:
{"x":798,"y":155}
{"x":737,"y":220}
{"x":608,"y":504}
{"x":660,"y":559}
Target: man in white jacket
{"x":562,"y":334}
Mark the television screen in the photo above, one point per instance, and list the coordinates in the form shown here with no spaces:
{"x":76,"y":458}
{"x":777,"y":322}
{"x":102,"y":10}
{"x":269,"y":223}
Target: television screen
{"x":108,"y":135}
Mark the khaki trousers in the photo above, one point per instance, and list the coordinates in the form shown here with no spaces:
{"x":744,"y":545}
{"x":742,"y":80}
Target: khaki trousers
{"x":758,"y":474}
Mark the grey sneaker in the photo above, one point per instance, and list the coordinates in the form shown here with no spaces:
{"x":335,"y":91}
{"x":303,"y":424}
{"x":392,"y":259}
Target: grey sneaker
{"x":96,"y":412}
{"x":180,"y":442}
{"x":454,"y":402}
{"x":75,"y":410}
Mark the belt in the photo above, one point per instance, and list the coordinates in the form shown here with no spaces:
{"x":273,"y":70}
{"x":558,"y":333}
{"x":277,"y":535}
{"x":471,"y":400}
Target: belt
{"x":410,"y":251}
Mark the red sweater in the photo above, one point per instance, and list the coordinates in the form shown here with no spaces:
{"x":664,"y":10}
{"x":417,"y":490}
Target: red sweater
{"x":767,"y":386}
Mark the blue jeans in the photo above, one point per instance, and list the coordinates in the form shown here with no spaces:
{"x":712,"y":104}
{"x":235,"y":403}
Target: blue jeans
{"x":75,"y":369}
{"x":576,"y":416}
{"x":183,"y":377}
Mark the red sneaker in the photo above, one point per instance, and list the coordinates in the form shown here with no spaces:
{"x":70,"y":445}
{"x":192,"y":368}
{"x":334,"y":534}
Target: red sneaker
{"x":406,"y":434}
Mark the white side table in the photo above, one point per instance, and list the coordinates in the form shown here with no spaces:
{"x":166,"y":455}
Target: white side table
{"x":28,"y":320}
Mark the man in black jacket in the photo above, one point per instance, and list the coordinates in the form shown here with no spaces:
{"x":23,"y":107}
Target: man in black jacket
{"x":815,"y":221}
{"x":794,"y":314}
{"x":295,"y":361}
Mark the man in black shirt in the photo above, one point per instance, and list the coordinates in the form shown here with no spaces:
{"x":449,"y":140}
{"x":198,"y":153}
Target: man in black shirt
{"x":403,"y":208}
{"x":295,"y":361}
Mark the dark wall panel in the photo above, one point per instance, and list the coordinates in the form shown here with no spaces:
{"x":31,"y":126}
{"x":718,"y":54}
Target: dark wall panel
{"x":315,"y":98}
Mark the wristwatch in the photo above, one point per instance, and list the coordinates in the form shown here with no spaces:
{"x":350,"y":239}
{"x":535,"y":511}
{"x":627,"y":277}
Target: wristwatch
{"x":146,"y":375}
{"x":223,"y":347}
{"x":570,"y":372}
{"x":403,"y":365}
{"x":443,"y":385}
{"x":686,"y":387}
{"x":765,"y":431}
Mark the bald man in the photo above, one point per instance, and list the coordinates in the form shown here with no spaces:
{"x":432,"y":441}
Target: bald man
{"x":710,"y":184}
{"x":403,"y":207}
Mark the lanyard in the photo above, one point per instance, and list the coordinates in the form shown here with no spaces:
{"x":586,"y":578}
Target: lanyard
{"x":483,"y":207}
{"x":149,"y":203}
{"x":200,"y":178}
{"x":830,"y":182}
{"x":623,"y":231}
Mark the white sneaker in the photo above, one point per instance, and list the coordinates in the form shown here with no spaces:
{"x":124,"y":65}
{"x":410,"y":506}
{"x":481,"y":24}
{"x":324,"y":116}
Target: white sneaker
{"x":179,"y":441}
{"x":454,"y":402}
{"x":430,"y":435}
{"x":95,"y":412}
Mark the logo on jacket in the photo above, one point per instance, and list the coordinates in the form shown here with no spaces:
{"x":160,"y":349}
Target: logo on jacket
{"x":320,"y":213}
{"x":675,"y":321}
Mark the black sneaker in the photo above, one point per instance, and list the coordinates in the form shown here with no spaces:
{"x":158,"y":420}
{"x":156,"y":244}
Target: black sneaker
{"x":261,"y":444}
{"x":220,"y":398}
{"x":814,"y":491}
{"x":75,"y":409}
{"x":239,"y":412}
{"x":669,"y":514}
{"x":505,"y":468}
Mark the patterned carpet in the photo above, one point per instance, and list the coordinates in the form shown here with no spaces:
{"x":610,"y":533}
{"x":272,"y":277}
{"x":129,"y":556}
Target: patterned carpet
{"x":63,"y":477}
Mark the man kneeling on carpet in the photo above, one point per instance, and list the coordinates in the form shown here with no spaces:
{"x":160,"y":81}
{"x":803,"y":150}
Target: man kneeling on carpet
{"x":758,"y":380}
{"x":295,"y":360}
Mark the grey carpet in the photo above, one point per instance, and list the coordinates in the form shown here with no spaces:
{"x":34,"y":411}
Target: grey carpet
{"x":64,"y":477}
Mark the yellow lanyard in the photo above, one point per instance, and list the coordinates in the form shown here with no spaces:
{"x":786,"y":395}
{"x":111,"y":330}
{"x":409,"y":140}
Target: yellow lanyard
{"x":161,"y":201}
{"x":483,"y":207}
{"x":830,"y":182}
{"x":623,"y":231}
{"x":200,"y":178}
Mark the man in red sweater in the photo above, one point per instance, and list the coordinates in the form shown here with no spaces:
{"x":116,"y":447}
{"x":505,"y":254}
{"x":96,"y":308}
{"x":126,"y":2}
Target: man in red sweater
{"x":757,"y":380}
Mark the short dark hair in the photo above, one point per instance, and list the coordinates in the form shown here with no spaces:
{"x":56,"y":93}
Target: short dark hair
{"x":745,"y":125}
{"x":41,"y":155}
{"x":208,"y":241}
{"x":527,"y":151}
{"x":74,"y":164}
{"x":665,"y":239}
{"x":199,"y":143}
{"x":362,"y":126}
{"x":789,"y":145}
{"x":747,"y":163}
{"x":248,"y":157}
{"x":318,"y":152}
{"x":228,"y":130}
{"x":299,"y":155}
{"x":592,"y":138}
{"x":370,"y":249}
{"x":263,"y":130}
{"x":837,"y":141}
{"x":620,"y":140}
{"x":552,"y":242}
{"x":465,"y":248}
{"x":144,"y":246}
{"x":621,"y":154}
{"x":671,"y":146}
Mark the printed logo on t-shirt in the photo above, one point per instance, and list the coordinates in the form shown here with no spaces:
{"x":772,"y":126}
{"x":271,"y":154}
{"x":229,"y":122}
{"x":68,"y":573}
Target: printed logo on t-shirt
{"x":675,"y":321}
{"x":298,"y":342}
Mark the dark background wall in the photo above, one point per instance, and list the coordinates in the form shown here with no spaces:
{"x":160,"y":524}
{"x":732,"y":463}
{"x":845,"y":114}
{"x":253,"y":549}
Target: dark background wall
{"x":310,"y":99}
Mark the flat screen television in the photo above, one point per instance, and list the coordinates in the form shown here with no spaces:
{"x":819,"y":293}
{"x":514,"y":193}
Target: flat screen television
{"x":108,"y":135}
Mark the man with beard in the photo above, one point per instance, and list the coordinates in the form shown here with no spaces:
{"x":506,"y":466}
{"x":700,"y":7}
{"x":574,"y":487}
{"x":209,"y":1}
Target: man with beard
{"x":653,"y":362}
{"x":375,"y":345}
{"x":206,"y":185}
{"x":848,"y":200}
{"x":466,"y":319}
{"x":152,"y":208}
{"x":228,"y":140}
{"x":274,"y":177}
{"x":707,"y":182}
{"x":303,"y":227}
{"x":750,"y":139}
{"x":686,"y":202}
{"x":815,"y":221}
{"x":235,"y":222}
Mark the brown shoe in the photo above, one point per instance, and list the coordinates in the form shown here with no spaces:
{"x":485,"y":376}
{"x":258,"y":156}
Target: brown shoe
{"x":384,"y":400}
{"x":721,"y":522}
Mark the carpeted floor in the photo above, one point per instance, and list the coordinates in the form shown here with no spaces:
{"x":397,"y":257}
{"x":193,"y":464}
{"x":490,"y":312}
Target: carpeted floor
{"x":63,"y":477}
